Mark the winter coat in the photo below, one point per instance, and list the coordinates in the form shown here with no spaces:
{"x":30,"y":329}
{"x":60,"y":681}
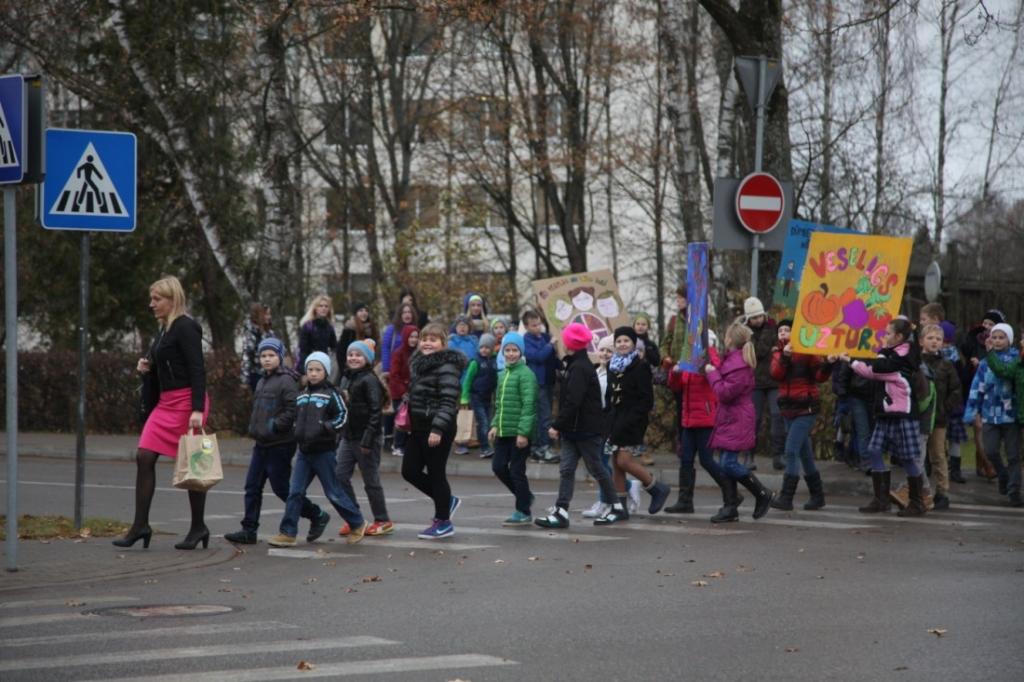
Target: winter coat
{"x":541,"y":358}
{"x":273,"y":409}
{"x":481,"y":379}
{"x":733,"y":384}
{"x":699,"y":402}
{"x":1011,"y":370}
{"x":765,"y":339}
{"x":630,"y":400}
{"x":515,"y":405}
{"x":579,"y":398}
{"x":317,"y":334}
{"x":364,"y":395}
{"x":652,"y":355}
{"x":350,"y":335}
{"x":177,"y":357}
{"x":948,"y":397}
{"x":320,"y":414}
{"x":992,"y":397}
{"x":847,"y":383}
{"x":895,"y":368}
{"x":389,"y":343}
{"x":467,"y":345}
{"x":251,"y":337}
{"x":434,"y":390}
{"x":798,"y":375}
{"x":399,"y":376}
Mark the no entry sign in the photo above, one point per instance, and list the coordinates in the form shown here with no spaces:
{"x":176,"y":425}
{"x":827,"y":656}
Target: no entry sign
{"x":760,"y":203}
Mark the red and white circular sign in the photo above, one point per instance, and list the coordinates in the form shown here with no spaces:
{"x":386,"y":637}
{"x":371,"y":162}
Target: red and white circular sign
{"x":760,"y":202}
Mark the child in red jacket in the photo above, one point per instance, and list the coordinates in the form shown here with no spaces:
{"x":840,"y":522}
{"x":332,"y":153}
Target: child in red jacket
{"x":798,"y":375}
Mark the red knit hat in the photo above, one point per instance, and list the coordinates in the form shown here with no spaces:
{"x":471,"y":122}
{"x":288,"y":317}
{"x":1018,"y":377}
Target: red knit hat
{"x":576,"y":336}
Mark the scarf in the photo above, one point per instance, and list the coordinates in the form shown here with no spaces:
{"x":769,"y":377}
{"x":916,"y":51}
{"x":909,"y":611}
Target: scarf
{"x":620,"y":362}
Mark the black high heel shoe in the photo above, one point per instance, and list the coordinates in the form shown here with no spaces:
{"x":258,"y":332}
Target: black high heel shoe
{"x":193,"y":539}
{"x":130,"y":538}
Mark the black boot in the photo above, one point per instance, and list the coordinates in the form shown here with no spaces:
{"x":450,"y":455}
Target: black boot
{"x":684,"y":503}
{"x":762,"y":496}
{"x":955,"y":474}
{"x":784,"y":500}
{"x":880,"y":502}
{"x":916,"y":505}
{"x":817,"y":489}
{"x":730,"y":500}
{"x":245,"y":536}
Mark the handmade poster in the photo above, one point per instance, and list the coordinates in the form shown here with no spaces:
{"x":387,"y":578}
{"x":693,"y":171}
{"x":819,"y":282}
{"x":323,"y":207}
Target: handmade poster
{"x":693,"y":355}
{"x":851,"y":288}
{"x":794,"y":253}
{"x":590,"y":298}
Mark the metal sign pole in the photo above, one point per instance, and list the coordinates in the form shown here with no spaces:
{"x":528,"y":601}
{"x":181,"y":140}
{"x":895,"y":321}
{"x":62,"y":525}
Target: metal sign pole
{"x":11,"y":329}
{"x":758,"y":160}
{"x":83,"y":353}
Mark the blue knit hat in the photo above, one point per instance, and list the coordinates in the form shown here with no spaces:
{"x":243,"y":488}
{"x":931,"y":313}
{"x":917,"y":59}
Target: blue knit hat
{"x":515,"y":339}
{"x":321,"y":357}
{"x":362,"y":348}
{"x":270,"y":343}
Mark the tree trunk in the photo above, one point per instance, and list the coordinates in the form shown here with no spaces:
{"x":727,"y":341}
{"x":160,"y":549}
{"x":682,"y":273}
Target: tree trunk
{"x":881,"y":110}
{"x":827,"y":76}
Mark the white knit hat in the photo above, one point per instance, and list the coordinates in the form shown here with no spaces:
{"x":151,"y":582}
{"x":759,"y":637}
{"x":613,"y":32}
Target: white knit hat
{"x":1004,"y":328}
{"x":752,"y":307}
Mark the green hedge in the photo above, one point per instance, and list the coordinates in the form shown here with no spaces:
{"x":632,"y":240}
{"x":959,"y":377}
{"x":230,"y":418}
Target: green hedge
{"x":48,"y":392}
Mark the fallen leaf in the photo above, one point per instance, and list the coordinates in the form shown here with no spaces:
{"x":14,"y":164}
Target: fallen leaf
{"x":588,"y":567}
{"x":371,"y":579}
{"x":120,"y":556}
{"x":85,"y":532}
{"x":439,"y":552}
{"x":150,"y":581}
{"x":700,"y":583}
{"x":792,"y":649}
{"x":350,"y":589}
{"x":668,"y":575}
{"x":330,"y":563}
{"x":533,"y":558}
{"x":74,"y":602}
{"x":901,"y":667}
{"x":938,"y":632}
{"x":800,"y":551}
{"x":305,"y":665}
{"x":575,"y":539}
{"x":226,"y":589}
{"x":412,"y":553}
{"x":714,"y":574}
{"x":499,"y":561}
{"x":225,"y":580}
{"x":309,"y":581}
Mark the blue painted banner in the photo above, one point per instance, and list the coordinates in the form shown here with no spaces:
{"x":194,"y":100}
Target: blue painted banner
{"x":694,"y":353}
{"x":794,"y":256}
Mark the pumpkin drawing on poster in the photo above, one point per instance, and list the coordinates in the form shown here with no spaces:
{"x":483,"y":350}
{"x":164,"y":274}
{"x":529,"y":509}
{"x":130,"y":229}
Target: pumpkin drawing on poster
{"x":851,"y":288}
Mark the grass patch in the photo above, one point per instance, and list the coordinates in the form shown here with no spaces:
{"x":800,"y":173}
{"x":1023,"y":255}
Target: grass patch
{"x":49,"y":527}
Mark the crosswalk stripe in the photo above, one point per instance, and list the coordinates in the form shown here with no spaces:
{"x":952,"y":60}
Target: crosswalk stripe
{"x":239,"y":649}
{"x":308,"y":554}
{"x":66,"y":601}
{"x":390,"y":665}
{"x":398,"y":543}
{"x":800,"y":523}
{"x":531,"y":532}
{"x":43,"y":619}
{"x":681,"y":529}
{"x":183,"y":631}
{"x":942,"y":520}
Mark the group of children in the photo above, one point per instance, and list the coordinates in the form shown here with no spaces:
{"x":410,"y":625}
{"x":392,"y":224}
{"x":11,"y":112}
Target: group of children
{"x":908,"y":404}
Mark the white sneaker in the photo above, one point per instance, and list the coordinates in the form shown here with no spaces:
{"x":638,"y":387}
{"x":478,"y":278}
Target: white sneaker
{"x":396,"y":452}
{"x":634,"y":496}
{"x":597,"y":509}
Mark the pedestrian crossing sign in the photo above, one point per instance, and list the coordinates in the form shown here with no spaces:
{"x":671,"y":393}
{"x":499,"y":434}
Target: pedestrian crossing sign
{"x":12,"y":129}
{"x":90,"y":180}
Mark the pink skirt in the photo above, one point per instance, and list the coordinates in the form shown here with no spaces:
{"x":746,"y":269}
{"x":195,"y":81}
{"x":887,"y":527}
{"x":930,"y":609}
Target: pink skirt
{"x":168,"y":422}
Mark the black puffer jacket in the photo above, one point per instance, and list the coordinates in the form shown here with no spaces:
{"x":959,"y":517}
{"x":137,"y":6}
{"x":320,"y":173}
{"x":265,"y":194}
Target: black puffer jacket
{"x":273,"y":409}
{"x":579,"y":398}
{"x":364,"y":396}
{"x":434,"y":390}
{"x":630,"y":399}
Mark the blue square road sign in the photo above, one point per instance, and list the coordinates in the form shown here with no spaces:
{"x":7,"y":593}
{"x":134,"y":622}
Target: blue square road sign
{"x":12,"y":129}
{"x":90,"y":181}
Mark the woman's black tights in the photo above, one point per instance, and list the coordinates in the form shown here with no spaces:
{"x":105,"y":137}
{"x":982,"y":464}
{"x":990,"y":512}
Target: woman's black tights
{"x":145,"y":487}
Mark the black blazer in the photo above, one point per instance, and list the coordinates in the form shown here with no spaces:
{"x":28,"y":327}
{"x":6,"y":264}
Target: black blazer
{"x":177,"y":357}
{"x":630,"y":398}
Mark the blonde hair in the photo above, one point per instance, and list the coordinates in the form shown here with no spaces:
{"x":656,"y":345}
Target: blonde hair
{"x":170,"y":287}
{"x":435,"y":329}
{"x":932,"y":329}
{"x":311,"y":310}
{"x":738,"y":335}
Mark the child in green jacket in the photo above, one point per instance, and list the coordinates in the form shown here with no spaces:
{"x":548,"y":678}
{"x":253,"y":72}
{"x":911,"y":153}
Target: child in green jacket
{"x":515,"y":416}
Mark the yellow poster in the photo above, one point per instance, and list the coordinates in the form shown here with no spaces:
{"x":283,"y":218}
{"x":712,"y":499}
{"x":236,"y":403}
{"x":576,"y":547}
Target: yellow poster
{"x":850,"y":289}
{"x":590,"y":298}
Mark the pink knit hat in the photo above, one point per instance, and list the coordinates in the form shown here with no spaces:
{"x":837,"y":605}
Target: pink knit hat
{"x":576,"y":336}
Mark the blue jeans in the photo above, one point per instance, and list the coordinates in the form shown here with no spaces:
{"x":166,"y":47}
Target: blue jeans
{"x":319,"y":465}
{"x":274,"y":464}
{"x":509,"y":465}
{"x":482,"y":416}
{"x":730,"y":463}
{"x":860,"y":413}
{"x":799,"y":452}
{"x":695,"y":442}
{"x":543,"y":417}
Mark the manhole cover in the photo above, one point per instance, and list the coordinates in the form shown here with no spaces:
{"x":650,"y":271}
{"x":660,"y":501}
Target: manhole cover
{"x":165,"y":610}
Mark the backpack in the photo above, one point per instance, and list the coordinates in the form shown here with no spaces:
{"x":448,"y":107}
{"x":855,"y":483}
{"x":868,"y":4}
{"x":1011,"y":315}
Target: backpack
{"x":922,"y":387}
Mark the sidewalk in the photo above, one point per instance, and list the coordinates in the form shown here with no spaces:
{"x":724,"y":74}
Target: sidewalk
{"x":838,"y":478}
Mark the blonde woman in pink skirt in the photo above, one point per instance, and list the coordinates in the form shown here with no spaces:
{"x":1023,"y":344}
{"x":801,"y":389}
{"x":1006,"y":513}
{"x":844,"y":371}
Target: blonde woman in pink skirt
{"x":174,"y":369}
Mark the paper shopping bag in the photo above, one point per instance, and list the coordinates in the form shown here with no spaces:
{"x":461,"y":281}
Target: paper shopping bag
{"x":464,"y":426}
{"x":198,"y":465}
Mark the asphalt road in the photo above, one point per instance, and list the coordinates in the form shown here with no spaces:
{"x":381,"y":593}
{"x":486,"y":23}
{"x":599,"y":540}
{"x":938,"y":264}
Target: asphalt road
{"x":798,"y":596}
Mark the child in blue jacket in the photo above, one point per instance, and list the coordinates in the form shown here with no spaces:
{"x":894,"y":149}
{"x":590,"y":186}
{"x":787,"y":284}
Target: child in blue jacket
{"x":542,"y":359}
